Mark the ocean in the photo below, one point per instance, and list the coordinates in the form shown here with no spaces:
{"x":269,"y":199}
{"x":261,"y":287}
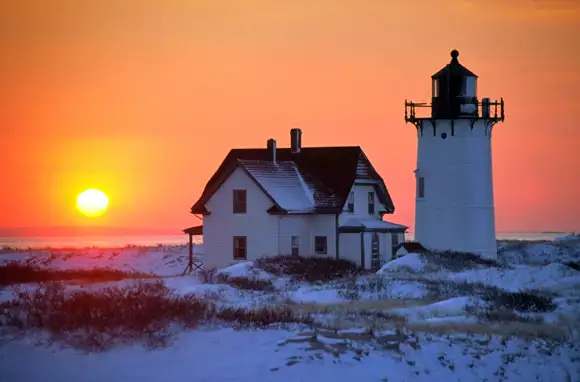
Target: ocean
{"x":112,"y":241}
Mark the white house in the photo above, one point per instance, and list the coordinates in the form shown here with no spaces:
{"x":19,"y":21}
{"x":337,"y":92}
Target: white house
{"x":321,"y":201}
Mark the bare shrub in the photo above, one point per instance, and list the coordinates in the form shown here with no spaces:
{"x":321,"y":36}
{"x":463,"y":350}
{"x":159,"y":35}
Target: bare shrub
{"x":458,"y":261}
{"x":524,"y":301}
{"x":263,"y":316}
{"x":440,"y":289}
{"x":352,"y":288}
{"x":506,"y":316}
{"x":146,"y":312}
{"x":496,"y":298}
{"x":142,"y":312}
{"x":310,"y":269}
{"x":18,"y":273}
{"x":208,"y":275}
{"x":574,"y":265}
{"x":246,"y":283}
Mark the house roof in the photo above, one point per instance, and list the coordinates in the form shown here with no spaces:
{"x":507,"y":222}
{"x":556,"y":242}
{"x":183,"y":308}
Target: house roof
{"x":314,"y":180}
{"x":194,"y":231}
{"x":283,"y":182}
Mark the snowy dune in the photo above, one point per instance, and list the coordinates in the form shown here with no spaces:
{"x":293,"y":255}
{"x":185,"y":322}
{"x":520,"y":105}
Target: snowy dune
{"x":413,"y":320}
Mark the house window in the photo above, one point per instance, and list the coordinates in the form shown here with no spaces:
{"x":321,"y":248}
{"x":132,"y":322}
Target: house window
{"x":239,"y":201}
{"x":350,"y":203}
{"x":371,"y":203}
{"x":295,"y":246}
{"x":320,"y":245}
{"x":240,"y":248}
{"x":421,"y":187}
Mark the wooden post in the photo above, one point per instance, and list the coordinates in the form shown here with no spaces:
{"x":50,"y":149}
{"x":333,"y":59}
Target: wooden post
{"x":190,"y":248}
{"x":189,"y":267}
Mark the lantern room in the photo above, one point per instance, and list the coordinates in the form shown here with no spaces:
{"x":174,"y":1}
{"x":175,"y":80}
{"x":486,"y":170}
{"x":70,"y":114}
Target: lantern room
{"x":454,"y":91}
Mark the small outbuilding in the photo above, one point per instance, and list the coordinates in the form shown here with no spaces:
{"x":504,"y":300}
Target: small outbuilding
{"x":409,"y":247}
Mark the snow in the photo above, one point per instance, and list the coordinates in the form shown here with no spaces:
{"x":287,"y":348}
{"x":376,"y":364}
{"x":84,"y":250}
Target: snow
{"x":162,"y":261}
{"x":453,"y":320}
{"x":520,"y":277}
{"x":307,"y":294}
{"x":410,"y":262}
{"x":448,"y":308}
{"x":245,"y":269}
{"x":347,"y":350}
{"x":563,"y":250}
{"x":229,"y":355}
{"x":371,"y":224}
{"x":282,"y":181}
{"x":571,"y":237}
{"x":566,"y":286}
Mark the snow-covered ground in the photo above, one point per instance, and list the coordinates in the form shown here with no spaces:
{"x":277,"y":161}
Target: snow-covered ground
{"x":276,"y":355}
{"x":159,"y":260}
{"x":416,"y":319}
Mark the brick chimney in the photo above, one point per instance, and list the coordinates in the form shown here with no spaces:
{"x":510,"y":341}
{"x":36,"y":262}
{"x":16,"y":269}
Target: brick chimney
{"x":295,"y":140}
{"x":271,"y":145}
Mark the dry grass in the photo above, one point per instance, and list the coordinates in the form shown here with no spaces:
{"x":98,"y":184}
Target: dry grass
{"x":523,"y":330}
{"x":504,"y":329}
{"x":375,"y":315}
{"x":359,"y":305}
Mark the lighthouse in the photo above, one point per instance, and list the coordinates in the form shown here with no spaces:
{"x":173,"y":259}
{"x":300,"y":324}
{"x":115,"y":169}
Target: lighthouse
{"x":454,"y":207}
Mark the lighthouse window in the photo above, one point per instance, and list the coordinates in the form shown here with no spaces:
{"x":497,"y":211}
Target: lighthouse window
{"x":421,"y":187}
{"x":435,"y":88}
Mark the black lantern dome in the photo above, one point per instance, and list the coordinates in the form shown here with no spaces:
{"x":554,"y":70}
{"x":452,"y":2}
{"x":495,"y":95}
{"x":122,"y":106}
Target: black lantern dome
{"x":454,"y":90}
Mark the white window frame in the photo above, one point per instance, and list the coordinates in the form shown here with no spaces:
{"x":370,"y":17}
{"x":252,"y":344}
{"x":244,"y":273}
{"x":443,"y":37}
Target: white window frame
{"x":295,"y":245}
{"x":350,"y":203}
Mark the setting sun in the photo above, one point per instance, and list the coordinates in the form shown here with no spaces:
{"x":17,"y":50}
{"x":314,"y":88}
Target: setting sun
{"x":92,"y":203}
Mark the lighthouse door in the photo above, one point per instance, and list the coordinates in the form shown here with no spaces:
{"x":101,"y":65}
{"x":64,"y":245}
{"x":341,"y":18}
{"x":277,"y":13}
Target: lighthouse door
{"x":375,"y":262}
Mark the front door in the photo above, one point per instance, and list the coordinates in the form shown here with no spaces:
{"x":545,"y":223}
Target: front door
{"x":375,"y":262}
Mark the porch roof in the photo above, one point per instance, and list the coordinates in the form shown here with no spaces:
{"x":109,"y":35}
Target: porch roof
{"x":194,"y":231}
{"x":353,"y":225}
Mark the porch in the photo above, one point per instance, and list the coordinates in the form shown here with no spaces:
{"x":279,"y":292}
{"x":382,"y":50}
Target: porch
{"x":194,"y":263}
{"x":369,"y":242}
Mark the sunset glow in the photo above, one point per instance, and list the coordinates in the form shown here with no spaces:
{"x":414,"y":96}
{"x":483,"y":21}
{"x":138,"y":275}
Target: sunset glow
{"x":144,"y":98}
{"x":92,"y":203}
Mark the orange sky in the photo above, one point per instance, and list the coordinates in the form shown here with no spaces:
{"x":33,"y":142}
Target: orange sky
{"x":144,"y":98}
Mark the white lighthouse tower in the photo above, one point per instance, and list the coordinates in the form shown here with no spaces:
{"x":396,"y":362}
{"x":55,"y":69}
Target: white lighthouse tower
{"x":454,"y":207}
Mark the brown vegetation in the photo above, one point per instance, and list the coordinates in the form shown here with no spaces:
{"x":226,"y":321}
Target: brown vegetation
{"x":19,"y":273}
{"x":145,"y":312}
{"x":310,"y":269}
